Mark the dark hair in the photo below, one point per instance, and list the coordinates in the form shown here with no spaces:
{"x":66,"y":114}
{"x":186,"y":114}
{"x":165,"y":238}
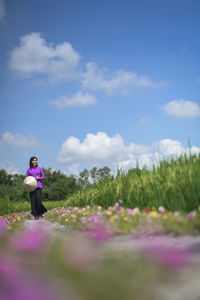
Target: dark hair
{"x":30,"y":162}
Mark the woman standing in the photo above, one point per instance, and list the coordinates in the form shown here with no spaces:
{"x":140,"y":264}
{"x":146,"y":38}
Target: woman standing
{"x":36,"y":196}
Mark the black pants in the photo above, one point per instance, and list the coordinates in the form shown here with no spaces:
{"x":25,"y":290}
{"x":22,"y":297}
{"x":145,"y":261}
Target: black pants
{"x":36,"y":203}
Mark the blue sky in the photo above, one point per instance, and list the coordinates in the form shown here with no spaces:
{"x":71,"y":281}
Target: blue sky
{"x":95,"y":83}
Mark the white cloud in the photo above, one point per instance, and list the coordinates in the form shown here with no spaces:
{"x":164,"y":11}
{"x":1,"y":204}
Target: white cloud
{"x":2,"y":9}
{"x":180,"y":108}
{"x":168,"y":147}
{"x":19,"y":140}
{"x":100,"y":149}
{"x":79,"y":99}
{"x":194,"y":150}
{"x":35,"y":56}
{"x":94,"y":147}
{"x":144,"y":121}
{"x":10,"y":168}
{"x":110,"y":82}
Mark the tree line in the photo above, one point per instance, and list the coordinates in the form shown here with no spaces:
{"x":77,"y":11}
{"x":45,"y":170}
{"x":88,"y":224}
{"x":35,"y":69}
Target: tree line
{"x":56,"y":185}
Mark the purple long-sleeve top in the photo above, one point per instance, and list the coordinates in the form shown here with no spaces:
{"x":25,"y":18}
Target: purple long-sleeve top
{"x":36,"y":172}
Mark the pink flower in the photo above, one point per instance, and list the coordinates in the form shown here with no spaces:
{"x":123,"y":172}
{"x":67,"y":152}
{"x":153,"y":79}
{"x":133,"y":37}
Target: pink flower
{"x":83,"y":220}
{"x":98,"y":232}
{"x":33,"y":239}
{"x":120,"y":201}
{"x":25,"y":286}
{"x":167,"y":254}
{"x":95,"y":219}
{"x":176,"y":214}
{"x":129,"y":210}
{"x":191,"y":214}
{"x":8,"y":268}
{"x":119,"y":208}
{"x":137,"y":210}
{"x":161,"y":209}
{"x":79,"y":251}
{"x":3,"y":227}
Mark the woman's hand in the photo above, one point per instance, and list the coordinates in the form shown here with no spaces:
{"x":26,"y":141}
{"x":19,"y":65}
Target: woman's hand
{"x":37,"y":177}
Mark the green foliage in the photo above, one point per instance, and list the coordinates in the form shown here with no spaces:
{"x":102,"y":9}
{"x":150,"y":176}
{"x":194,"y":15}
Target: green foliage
{"x":96,"y":175}
{"x":84,"y":178}
{"x":174,"y":184}
{"x":62,"y":188}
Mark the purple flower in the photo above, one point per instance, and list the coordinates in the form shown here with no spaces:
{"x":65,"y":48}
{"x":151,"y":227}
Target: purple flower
{"x":129,"y":210}
{"x":79,"y":251}
{"x":95,"y":219}
{"x":33,"y":239}
{"x":119,"y":208}
{"x":3,"y":227}
{"x":176,"y":214}
{"x":98,"y":232}
{"x":191,"y":214}
{"x":167,"y":254}
{"x":120,"y":201}
{"x":25,"y":286}
{"x":83,"y":220}
{"x":8,"y":268}
{"x":161,"y":209}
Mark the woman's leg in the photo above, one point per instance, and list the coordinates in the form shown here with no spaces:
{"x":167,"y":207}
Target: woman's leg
{"x":41,"y":208}
{"x":33,"y":203}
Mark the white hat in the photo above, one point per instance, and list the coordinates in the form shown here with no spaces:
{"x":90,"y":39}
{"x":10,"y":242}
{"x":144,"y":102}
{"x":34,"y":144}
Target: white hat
{"x":30,"y":183}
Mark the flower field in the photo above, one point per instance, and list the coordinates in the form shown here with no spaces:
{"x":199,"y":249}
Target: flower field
{"x":124,"y":220}
{"x":115,"y":253}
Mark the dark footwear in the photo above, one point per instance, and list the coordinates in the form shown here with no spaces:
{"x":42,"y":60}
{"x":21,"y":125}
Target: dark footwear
{"x":36,"y":217}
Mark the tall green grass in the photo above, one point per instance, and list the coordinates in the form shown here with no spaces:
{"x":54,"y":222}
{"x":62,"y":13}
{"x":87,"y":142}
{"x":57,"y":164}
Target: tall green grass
{"x":174,"y":184}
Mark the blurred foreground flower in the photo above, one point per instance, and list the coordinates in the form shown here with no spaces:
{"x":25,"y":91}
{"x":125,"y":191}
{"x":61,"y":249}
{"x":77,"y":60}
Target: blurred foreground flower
{"x":9,"y":269}
{"x":161,"y":209}
{"x":79,"y":251}
{"x":191,"y":215}
{"x":17,"y":284}
{"x":99,"y":232}
{"x":167,"y":254}
{"x":31,"y":239}
{"x":3,"y":227}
